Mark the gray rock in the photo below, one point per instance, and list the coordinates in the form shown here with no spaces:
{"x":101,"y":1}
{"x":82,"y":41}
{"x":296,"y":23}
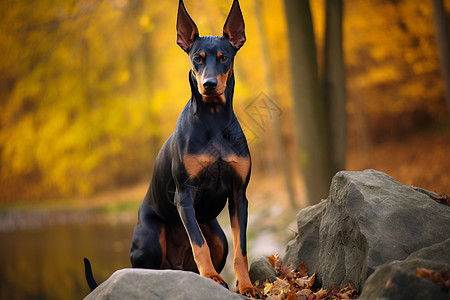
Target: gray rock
{"x":391,"y":282}
{"x":262,"y":271}
{"x":369,"y":219}
{"x":397,"y":280}
{"x":435,"y":257}
{"x":159,"y":284}
{"x":305,"y":247}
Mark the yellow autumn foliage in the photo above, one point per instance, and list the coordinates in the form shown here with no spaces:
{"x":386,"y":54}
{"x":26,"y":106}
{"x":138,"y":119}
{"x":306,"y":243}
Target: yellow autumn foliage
{"x":89,"y":90}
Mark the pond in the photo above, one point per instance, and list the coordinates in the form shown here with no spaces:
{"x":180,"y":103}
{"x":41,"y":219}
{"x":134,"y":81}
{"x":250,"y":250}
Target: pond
{"x":41,"y":254}
{"x":47,"y":262}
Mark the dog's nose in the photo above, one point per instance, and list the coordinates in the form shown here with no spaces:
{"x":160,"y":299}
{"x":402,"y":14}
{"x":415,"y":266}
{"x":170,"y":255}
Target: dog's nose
{"x":210,"y":83}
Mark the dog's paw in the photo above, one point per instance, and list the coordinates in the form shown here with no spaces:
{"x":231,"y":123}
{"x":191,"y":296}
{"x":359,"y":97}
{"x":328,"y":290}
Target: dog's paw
{"x":248,"y":290}
{"x":219,"y":280}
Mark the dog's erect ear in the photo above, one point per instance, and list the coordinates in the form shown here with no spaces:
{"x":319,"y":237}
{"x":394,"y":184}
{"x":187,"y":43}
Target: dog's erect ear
{"x":187,"y":31}
{"x":234,"y":29}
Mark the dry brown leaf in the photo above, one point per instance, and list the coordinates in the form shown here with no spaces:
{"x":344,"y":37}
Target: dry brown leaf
{"x":274,"y":297}
{"x":423,"y":272}
{"x":304,"y":294}
{"x":306,"y":282}
{"x":292,"y":296}
{"x":349,"y":292}
{"x":272,"y":260}
{"x":442,"y":199}
{"x":442,"y":279}
{"x":296,"y":285}
{"x":279,"y":286}
{"x":302,"y":268}
{"x":267,"y":288}
{"x":320,"y":294}
{"x":286,"y":272}
{"x":312,"y":296}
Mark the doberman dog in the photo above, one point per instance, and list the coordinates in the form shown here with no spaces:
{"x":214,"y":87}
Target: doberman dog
{"x":204,"y":163}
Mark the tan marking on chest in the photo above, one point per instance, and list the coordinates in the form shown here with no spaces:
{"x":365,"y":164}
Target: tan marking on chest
{"x":195,"y":163}
{"x":240,"y":164}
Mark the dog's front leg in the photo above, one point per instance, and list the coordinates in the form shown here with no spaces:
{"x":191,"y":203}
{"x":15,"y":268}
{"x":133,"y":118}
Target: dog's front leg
{"x":200,"y":249}
{"x":238,"y":206}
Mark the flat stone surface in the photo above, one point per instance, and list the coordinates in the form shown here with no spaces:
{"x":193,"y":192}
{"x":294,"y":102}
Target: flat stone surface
{"x":159,"y":284}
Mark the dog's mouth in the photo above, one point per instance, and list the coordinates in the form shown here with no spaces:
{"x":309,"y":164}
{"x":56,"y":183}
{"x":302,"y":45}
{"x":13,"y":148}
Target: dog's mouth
{"x":213,"y":97}
{"x":207,"y":93}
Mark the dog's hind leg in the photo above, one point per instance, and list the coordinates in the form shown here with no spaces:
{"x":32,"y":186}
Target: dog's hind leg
{"x":148,"y":248}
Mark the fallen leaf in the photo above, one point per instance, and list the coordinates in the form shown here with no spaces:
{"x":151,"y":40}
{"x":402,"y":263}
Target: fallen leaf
{"x":267,"y":287}
{"x":312,"y":296}
{"x":306,"y":282}
{"x":320,"y":294}
{"x":297,"y":285}
{"x":442,"y":279}
{"x":291,"y":296}
{"x":304,"y":294}
{"x":423,"y":272}
{"x":302,"y":268}
{"x":349,"y":292}
{"x":272,"y":260}
{"x":442,"y":199}
{"x":279,"y":286}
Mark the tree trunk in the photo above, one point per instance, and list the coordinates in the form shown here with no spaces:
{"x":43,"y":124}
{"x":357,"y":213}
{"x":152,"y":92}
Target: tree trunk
{"x":442,"y":38}
{"x":282,"y":155}
{"x":334,"y":84}
{"x":311,"y":130}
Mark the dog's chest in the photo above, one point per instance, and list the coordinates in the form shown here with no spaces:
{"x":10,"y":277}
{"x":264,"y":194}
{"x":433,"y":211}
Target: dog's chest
{"x":197,"y":164}
{"x":217,"y":158}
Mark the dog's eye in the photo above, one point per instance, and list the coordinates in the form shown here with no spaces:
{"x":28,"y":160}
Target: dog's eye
{"x":197,"y":59}
{"x":223,"y":59}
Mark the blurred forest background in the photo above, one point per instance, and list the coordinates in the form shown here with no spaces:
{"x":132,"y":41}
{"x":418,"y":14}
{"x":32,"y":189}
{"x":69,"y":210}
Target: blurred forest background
{"x":91,"y":89}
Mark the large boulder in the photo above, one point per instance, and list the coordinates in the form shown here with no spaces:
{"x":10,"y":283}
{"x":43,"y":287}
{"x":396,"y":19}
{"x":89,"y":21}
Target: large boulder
{"x":391,"y":282}
{"x":368,"y":220}
{"x":435,"y":257}
{"x":159,"y":284}
{"x":397,"y":280}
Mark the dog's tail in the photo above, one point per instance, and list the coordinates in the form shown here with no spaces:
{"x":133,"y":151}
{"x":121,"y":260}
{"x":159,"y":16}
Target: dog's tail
{"x":89,"y":276}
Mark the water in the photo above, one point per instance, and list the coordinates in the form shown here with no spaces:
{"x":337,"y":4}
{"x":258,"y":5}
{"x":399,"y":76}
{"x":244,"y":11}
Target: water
{"x":41,"y":253}
{"x":47,"y":263}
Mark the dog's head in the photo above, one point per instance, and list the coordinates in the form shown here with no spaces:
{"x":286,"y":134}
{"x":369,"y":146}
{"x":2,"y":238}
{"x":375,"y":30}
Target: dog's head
{"x":211,"y":56}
